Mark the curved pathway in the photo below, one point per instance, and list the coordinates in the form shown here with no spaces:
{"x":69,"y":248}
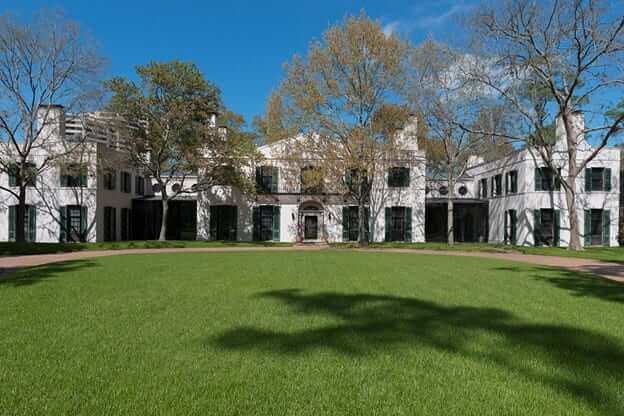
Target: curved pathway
{"x":611,"y":271}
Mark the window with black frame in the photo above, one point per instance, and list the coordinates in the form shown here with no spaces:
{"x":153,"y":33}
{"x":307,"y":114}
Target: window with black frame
{"x":29,"y":175}
{"x":74,"y":175}
{"x":398,"y":177}
{"x":546,"y":179}
{"x":598,"y":179}
{"x":511,"y":182}
{"x":110,"y":180}
{"x":126,"y":182}
{"x":483,"y":188}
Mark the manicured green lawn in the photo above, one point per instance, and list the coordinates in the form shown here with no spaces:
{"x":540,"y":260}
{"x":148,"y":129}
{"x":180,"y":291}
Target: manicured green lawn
{"x":309,"y":333}
{"x":13,"y":249}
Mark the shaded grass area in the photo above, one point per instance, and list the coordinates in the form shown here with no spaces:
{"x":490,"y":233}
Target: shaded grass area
{"x":610,"y":254}
{"x":309,"y":333}
{"x":14,"y":249}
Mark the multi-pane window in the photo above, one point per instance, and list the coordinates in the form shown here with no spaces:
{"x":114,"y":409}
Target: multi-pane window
{"x":266,"y":223}
{"x":597,"y":227}
{"x":398,"y":223}
{"x":546,"y":227}
{"x":546,"y":179}
{"x":30,"y":223}
{"x":74,"y":175}
{"x":110,"y":224}
{"x":597,"y":179}
{"x":311,"y":180}
{"x":351,"y":223}
{"x":29,"y":175}
{"x":356,"y":181}
{"x":483,"y":188}
{"x":73,"y":223}
{"x":139,"y":185}
{"x":497,"y":185}
{"x":398,"y":177}
{"x":126,"y":182}
{"x":267,"y":179}
{"x":511,"y":182}
{"x":110,"y":180}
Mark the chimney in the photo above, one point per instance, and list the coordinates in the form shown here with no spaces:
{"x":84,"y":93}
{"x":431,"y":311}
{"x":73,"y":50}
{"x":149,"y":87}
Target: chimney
{"x":578,"y":128}
{"x":407,"y":137}
{"x":212,"y":119}
{"x":51,"y":121}
{"x":474,"y":160}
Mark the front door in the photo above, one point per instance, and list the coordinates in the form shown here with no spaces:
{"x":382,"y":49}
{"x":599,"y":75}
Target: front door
{"x":310,"y":227}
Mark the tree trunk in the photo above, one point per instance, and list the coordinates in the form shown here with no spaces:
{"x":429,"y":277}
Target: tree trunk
{"x":450,"y":231}
{"x":575,"y":234}
{"x":362,"y":225}
{"x":20,"y":213}
{"x":163,"y":223}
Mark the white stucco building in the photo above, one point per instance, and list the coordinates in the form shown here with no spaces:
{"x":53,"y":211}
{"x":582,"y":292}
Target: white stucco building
{"x":513,"y":200}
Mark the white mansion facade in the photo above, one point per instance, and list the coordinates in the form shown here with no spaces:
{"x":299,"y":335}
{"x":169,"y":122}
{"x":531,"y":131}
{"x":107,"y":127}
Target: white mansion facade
{"x":514,"y":200}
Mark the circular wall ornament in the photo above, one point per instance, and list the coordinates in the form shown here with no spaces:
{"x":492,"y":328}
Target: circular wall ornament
{"x":463,"y":190}
{"x":443,"y":190}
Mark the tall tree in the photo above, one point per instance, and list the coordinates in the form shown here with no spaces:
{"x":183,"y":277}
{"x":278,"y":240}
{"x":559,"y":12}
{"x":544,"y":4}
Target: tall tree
{"x":341,"y":101}
{"x":43,"y":63}
{"x":172,"y":113}
{"x":553,"y":59}
{"x":446,"y":102}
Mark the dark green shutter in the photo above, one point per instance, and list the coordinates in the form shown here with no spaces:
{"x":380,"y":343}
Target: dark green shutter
{"x":275,"y":179}
{"x":256,"y":223}
{"x":83,"y":177}
{"x":63,"y":224}
{"x":32,"y":223}
{"x":507,"y":183}
{"x":506,"y":224}
{"x":406,"y":180}
{"x":367,"y":223}
{"x":513,"y":219}
{"x":388,"y":223}
{"x":348,"y":179}
{"x":607,"y":179}
{"x":557,"y":230}
{"x":557,"y":180}
{"x":259,"y":179}
{"x":345,"y":223}
{"x":12,"y":176}
{"x":83,"y":223}
{"x":276,"y":223}
{"x":588,"y":227}
{"x":588,"y":180}
{"x":538,"y":179}
{"x":537,"y":227}
{"x":12,"y":217}
{"x":408,"y":224}
{"x":606,"y":228}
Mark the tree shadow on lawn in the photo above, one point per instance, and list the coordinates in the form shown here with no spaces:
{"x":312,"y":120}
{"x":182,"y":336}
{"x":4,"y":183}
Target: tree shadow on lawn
{"x":575,"y":361}
{"x":32,"y":275}
{"x":578,"y":283}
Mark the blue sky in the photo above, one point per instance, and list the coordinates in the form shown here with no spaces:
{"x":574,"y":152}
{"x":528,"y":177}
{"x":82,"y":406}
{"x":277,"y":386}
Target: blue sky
{"x":239,"y":45}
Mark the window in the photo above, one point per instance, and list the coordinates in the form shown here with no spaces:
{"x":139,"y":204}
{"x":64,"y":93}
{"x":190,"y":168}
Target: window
{"x":497,"y":185}
{"x":597,"y":227}
{"x":311,"y":180}
{"x":266,"y":223}
{"x":223,"y":222}
{"x":126,"y":224}
{"x":110,"y":224}
{"x":398,"y":177}
{"x":398,"y":223}
{"x":353,"y":179}
{"x":511,"y":221}
{"x":546,"y":179}
{"x":267,"y":179}
{"x":351,"y":223}
{"x":463,"y":190}
{"x":139,"y":185}
{"x":110,"y":180}
{"x":30,"y":223}
{"x":597,"y":179}
{"x":73,"y":219}
{"x":74,"y":175}
{"x":511,"y":182}
{"x":30,"y":175}
{"x":483,"y":188}
{"x":546,"y":227}
{"x":126,"y":182}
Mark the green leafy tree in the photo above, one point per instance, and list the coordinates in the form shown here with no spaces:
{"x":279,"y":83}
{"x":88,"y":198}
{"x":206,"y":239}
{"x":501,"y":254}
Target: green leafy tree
{"x":172,"y":112}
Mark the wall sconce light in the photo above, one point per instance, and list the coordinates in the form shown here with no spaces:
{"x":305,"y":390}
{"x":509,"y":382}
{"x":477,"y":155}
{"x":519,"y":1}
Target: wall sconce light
{"x":330,"y":216}
{"x":292,"y":215}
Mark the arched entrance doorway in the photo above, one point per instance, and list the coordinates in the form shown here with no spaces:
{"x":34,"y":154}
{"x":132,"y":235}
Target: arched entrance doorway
{"x":311,"y":223}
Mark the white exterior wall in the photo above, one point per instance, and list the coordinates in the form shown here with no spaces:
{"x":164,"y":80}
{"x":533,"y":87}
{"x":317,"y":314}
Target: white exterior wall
{"x":527,"y":199}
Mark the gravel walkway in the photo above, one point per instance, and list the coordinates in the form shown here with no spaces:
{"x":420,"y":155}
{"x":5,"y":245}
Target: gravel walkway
{"x":611,"y":271}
